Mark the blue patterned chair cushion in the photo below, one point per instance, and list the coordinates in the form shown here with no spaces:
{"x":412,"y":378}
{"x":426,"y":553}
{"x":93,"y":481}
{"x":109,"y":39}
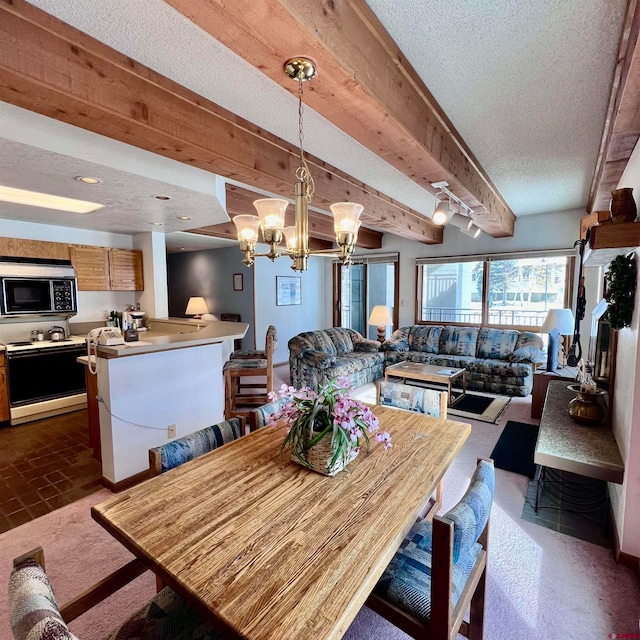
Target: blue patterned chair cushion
{"x":406,"y":581}
{"x":241,"y":363}
{"x":425,"y":338}
{"x":33,"y":610}
{"x":179,"y":451}
{"x":496,"y":344}
{"x":459,"y":341}
{"x":527,"y":354}
{"x":261,"y":415}
{"x":35,"y":615}
{"x":410,"y":398}
{"x":367,"y":346}
{"x":255,"y":354}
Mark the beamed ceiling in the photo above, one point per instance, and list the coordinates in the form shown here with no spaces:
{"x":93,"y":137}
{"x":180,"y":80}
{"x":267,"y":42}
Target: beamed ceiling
{"x":148,"y":79}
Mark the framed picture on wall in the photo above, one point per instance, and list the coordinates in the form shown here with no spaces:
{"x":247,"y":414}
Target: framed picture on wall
{"x":237,"y":282}
{"x":288,"y":290}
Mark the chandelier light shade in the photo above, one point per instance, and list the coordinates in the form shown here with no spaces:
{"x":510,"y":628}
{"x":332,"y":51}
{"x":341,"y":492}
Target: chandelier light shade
{"x":271,"y":211}
{"x":196,"y":307}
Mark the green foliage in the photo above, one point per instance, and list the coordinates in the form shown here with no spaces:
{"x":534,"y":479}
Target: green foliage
{"x":621,"y":290}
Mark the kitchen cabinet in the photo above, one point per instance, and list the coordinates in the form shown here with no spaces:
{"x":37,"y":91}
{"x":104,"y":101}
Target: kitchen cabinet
{"x":92,"y":268}
{"x":21,"y":248}
{"x":125,"y":270}
{"x":4,"y":391}
{"x":102,"y":269}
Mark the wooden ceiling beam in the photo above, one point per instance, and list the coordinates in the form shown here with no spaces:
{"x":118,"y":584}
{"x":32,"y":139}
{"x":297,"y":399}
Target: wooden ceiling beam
{"x":622,"y":124}
{"x":364,"y":85}
{"x":51,"y":68}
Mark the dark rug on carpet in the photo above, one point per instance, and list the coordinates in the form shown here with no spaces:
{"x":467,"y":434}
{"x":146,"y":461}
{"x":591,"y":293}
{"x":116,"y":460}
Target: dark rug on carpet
{"x":473,"y":404}
{"x":515,"y":447}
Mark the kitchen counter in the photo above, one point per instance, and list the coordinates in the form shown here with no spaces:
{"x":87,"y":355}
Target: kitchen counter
{"x":154,"y":341}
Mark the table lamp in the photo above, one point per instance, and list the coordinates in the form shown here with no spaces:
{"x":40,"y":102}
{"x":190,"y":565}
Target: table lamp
{"x":558,"y":322}
{"x":381,"y":317}
{"x":196,"y":307}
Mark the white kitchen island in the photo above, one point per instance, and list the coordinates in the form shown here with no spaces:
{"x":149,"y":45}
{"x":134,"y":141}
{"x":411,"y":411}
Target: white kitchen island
{"x":165,"y":379}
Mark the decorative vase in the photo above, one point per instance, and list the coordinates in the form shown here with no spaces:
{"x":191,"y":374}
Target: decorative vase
{"x":585,"y":408}
{"x":623,"y":206}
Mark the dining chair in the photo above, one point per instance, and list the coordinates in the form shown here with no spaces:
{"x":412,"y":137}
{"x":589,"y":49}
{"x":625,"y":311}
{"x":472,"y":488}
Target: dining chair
{"x":439,"y":571}
{"x":177,"y":452}
{"x":35,"y":614}
{"x":241,"y":396}
{"x":407,"y":397}
{"x":253,"y":354}
{"x":259,"y":417}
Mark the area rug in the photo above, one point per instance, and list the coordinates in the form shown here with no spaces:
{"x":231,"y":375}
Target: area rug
{"x":515,"y":448}
{"x":480,"y":406}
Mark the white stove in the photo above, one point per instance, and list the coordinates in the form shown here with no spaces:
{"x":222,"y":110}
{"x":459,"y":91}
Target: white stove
{"x":11,"y":347}
{"x":44,"y":378}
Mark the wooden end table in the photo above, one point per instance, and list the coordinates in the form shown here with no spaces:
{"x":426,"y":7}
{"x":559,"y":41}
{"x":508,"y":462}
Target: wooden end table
{"x":431,"y":373}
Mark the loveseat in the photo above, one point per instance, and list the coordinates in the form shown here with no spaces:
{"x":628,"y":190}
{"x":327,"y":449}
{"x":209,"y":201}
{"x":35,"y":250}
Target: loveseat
{"x":497,"y":360}
{"x":317,"y":356}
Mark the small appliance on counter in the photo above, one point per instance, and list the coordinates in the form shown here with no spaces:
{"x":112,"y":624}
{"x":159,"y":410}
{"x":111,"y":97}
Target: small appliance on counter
{"x":57,"y":334}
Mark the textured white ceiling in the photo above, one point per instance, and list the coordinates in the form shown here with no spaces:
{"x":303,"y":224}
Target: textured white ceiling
{"x":525,"y":83}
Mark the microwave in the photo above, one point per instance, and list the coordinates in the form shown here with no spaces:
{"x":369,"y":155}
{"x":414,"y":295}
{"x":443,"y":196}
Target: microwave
{"x":37,"y":287}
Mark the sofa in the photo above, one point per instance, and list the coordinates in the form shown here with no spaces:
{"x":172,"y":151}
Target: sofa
{"x":497,"y":360}
{"x":317,"y":356}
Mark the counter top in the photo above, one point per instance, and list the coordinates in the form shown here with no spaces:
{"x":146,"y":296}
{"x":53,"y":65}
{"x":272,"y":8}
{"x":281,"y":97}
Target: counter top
{"x":157,"y":341}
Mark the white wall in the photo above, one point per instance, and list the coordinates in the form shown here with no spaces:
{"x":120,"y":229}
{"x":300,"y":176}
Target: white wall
{"x":155,"y":297}
{"x":626,"y":410}
{"x":313,"y":313}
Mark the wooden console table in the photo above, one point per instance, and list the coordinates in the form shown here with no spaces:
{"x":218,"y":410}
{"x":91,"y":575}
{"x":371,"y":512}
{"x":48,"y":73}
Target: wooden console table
{"x":541,"y":381}
{"x":568,"y":446}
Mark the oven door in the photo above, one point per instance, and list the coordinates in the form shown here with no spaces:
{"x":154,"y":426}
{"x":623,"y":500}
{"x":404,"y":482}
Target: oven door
{"x":26,"y":295}
{"x":44,"y":374}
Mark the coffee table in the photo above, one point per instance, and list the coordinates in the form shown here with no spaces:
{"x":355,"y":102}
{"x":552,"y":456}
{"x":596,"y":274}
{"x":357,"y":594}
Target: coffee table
{"x":431,"y":373}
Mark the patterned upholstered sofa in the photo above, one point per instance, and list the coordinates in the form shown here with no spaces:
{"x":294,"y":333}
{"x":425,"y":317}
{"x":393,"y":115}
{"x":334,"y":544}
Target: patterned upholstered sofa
{"x":496,"y":360}
{"x":317,"y":356}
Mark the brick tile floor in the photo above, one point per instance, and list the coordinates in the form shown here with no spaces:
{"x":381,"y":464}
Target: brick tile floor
{"x":43,"y":466}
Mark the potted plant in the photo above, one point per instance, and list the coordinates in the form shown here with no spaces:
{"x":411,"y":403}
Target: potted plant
{"x":326,"y":427}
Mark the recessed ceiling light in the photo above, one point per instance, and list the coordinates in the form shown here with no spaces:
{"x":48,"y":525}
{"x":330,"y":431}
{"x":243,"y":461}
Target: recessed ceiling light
{"x":156,"y":224}
{"x":88,"y":180}
{"x":184,"y":217}
{"x":47,"y":201}
{"x":162,"y":197}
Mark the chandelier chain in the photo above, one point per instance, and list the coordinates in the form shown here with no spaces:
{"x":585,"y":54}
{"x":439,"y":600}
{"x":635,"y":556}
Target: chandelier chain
{"x":302,"y":172}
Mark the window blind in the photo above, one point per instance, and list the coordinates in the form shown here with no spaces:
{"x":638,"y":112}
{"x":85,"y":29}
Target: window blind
{"x":492,"y":257}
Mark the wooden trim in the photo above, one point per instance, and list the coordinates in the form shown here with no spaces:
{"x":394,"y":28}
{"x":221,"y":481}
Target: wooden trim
{"x":383,"y":102}
{"x":102,"y":590}
{"x":622,"y":122}
{"x":155,"y":462}
{"x":36,"y":554}
{"x":121,"y":485}
{"x":115,"y":96}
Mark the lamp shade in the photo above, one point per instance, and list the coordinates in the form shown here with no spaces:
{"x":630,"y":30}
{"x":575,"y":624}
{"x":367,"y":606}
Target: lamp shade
{"x":196,"y":306}
{"x":380,"y":316}
{"x":559,"y":319}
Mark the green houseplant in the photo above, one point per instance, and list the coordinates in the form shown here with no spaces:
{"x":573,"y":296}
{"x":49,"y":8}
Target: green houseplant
{"x":621,"y":290}
{"x":325,"y":427}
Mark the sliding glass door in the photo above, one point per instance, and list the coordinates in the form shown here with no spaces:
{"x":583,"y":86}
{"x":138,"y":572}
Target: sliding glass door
{"x":370,"y":281}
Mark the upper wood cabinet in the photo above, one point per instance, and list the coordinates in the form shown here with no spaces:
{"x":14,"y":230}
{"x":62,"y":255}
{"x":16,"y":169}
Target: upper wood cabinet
{"x":92,"y":268}
{"x":125,"y":267}
{"x":101,"y":269}
{"x":20,"y":248}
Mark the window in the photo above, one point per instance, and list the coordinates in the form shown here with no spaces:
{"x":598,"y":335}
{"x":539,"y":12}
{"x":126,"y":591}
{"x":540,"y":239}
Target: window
{"x":498,"y":290}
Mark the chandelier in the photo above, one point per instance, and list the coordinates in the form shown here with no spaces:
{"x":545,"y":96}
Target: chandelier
{"x":271,"y":211}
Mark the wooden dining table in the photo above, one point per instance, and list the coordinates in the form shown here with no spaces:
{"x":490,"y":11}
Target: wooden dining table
{"x":266,"y":549}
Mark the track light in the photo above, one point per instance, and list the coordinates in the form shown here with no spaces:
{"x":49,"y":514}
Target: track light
{"x":442,"y":214}
{"x":472,"y":231}
{"x":464,"y":223}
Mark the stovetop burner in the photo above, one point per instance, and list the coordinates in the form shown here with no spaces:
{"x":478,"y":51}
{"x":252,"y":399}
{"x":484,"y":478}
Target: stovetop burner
{"x":18,"y":344}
